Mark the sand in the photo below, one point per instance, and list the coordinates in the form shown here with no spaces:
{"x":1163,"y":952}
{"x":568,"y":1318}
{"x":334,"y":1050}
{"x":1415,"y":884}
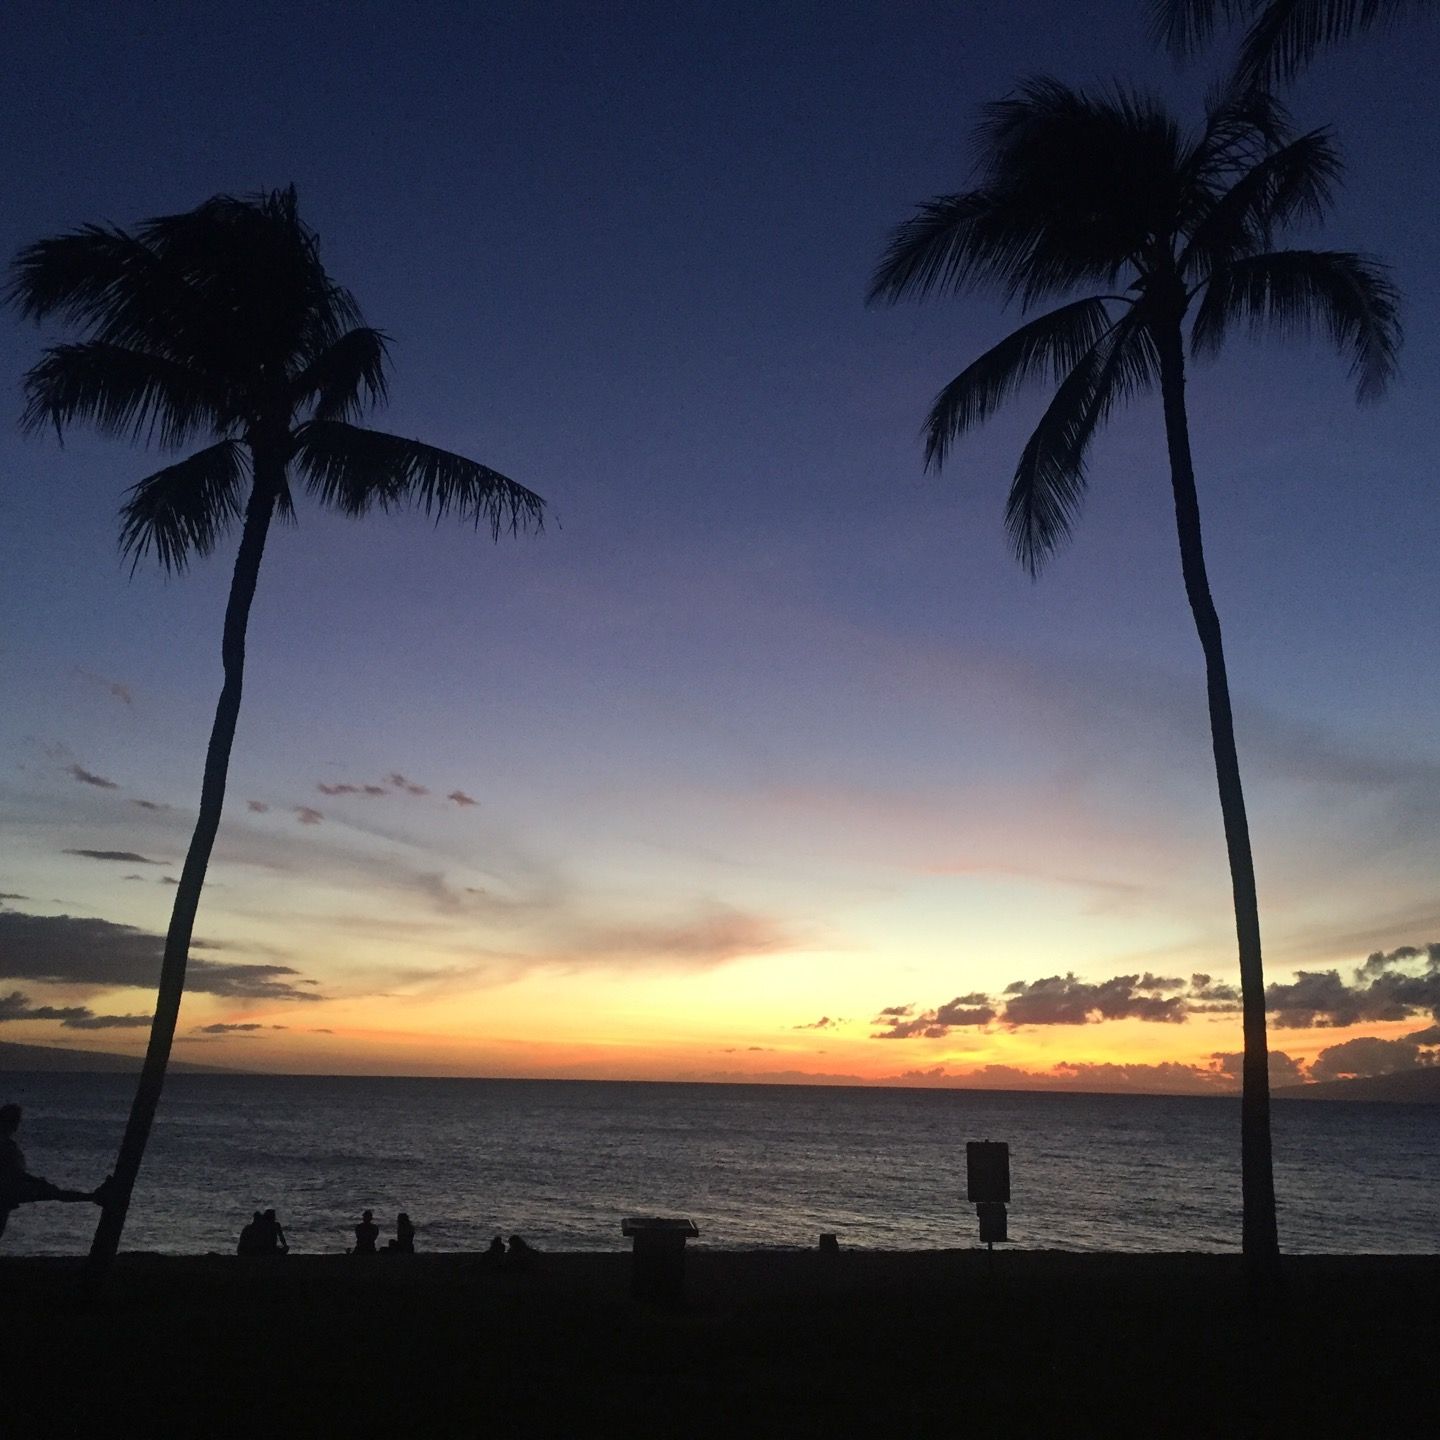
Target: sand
{"x":939,"y":1343}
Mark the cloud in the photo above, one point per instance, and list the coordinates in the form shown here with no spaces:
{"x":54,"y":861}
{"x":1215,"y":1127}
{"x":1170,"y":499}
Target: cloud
{"x":17,"y":1006}
{"x":114,"y":687}
{"x":713,"y":935}
{"x":306,"y":816}
{"x":248,"y":1027}
{"x":1371,"y":1055}
{"x":256,"y":807}
{"x":1385,"y":987}
{"x":1284,"y":1069}
{"x":152,"y":805}
{"x":901,"y":1023}
{"x":461,"y":798}
{"x":408,"y":786}
{"x":128,"y":857}
{"x":1064,"y":1000}
{"x":823,"y":1023}
{"x":89,"y":777}
{"x":70,"y":950}
{"x":8,"y":895}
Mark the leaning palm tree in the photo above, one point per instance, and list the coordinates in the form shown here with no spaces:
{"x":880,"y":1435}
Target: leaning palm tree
{"x":223,"y":323}
{"x":1281,"y":36}
{"x":1076,"y":191}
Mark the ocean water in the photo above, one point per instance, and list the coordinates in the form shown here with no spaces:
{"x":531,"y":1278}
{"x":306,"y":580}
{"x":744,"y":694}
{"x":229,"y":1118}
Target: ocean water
{"x":563,"y":1161}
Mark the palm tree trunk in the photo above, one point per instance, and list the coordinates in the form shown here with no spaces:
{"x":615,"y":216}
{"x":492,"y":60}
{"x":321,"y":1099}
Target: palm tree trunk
{"x":1260,"y":1240}
{"x":192,"y":878}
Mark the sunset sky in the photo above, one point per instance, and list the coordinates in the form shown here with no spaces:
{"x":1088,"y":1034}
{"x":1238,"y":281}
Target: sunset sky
{"x":765,"y":761}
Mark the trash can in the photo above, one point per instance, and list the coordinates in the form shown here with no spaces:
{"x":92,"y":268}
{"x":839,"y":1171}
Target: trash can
{"x":657,"y":1270}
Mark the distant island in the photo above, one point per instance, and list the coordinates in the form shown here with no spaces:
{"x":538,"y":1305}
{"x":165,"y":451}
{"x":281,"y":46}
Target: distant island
{"x":55,"y":1058}
{"x":1420,"y":1086}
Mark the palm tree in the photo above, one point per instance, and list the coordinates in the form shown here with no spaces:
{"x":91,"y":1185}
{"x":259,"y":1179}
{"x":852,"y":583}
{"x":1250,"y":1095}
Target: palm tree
{"x":223,"y":323}
{"x":1281,"y":36}
{"x":1076,"y":191}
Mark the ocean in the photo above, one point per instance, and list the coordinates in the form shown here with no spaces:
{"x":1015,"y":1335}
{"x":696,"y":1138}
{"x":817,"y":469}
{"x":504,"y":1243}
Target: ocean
{"x":562,"y":1162}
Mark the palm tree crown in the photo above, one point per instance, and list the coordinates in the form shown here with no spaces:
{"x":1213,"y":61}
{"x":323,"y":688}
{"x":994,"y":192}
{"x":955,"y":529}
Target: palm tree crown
{"x":222,"y":322}
{"x":1281,"y":36}
{"x":1107,"y":192}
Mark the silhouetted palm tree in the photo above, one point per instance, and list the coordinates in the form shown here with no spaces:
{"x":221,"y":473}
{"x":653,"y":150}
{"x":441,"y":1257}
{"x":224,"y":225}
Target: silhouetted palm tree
{"x":1281,"y":36}
{"x":222,"y":322}
{"x":1107,"y":192}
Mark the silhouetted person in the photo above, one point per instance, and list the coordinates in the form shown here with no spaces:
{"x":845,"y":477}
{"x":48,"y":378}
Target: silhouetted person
{"x":521,"y":1256}
{"x":272,"y":1236}
{"x":367,"y":1232}
{"x":404,"y":1241}
{"x":250,"y":1242}
{"x":494,"y":1256}
{"x":17,"y":1185}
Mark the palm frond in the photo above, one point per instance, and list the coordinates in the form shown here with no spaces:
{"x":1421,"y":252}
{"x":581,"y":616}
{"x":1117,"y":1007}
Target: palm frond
{"x":1185,"y":25}
{"x":346,"y":378}
{"x":1285,"y":35}
{"x":1050,"y":481}
{"x":186,"y":508}
{"x":1294,"y":183}
{"x":1294,"y":292}
{"x":123,"y":392}
{"x":355,"y":470}
{"x":933,"y":249}
{"x":1052,"y":344}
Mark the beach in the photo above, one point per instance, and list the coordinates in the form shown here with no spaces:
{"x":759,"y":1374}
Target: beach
{"x":793,"y":1343}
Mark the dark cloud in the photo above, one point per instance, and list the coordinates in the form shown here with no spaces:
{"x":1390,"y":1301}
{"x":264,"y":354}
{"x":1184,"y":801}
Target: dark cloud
{"x":408,"y":786}
{"x":248,"y":1027}
{"x":461,"y":798}
{"x":256,"y":807}
{"x":168,"y":880}
{"x":17,"y":1006}
{"x":110,"y":1022}
{"x":7,"y":895}
{"x":152,"y":805}
{"x":1371,"y":1055}
{"x":901,"y":1023}
{"x":1382,"y":960}
{"x":1064,"y":1000}
{"x":1323,"y":998}
{"x":70,"y":950}
{"x":128,"y":857}
{"x":823,"y":1023}
{"x":132,"y":877}
{"x":89,"y":777}
{"x":341,"y":789}
{"x":306,"y":816}
{"x":1284,"y":1069}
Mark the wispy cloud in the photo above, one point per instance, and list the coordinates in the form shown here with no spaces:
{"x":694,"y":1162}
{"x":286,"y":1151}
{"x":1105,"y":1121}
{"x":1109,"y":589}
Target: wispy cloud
{"x":81,"y":775}
{"x":256,"y":807}
{"x":125,"y":857}
{"x":246,"y":1028}
{"x":461,"y":798}
{"x":153,"y":806}
{"x":307,"y":816}
{"x":408,"y":786}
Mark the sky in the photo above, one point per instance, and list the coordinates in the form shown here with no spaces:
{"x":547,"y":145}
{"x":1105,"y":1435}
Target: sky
{"x":765,"y":761}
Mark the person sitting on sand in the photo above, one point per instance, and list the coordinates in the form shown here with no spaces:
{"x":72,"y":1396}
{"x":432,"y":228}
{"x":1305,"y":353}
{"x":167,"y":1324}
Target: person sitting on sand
{"x":367,"y":1232}
{"x":521,"y":1256}
{"x":272,"y":1237}
{"x":19,"y":1187}
{"x":404,"y":1241}
{"x":250,"y":1242}
{"x":494,"y":1254}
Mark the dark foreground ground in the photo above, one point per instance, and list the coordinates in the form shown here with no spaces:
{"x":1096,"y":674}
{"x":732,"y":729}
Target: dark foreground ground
{"x":941,"y":1343}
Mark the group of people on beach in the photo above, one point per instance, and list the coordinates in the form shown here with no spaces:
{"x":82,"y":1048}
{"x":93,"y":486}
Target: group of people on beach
{"x":264,"y":1235}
